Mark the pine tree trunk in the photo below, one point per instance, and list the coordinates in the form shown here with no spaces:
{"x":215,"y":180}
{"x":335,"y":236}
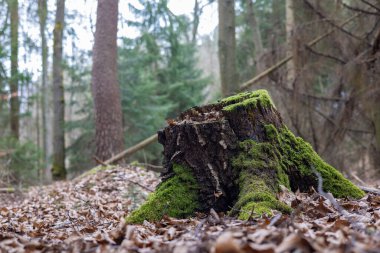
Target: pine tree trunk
{"x":14,"y":101}
{"x":58,"y":170}
{"x":233,"y":156}
{"x":227,"y":46}
{"x":105,"y":89}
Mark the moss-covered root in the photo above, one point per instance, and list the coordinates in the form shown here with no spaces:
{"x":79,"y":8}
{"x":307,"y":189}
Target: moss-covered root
{"x":256,"y":198}
{"x":297,"y":153}
{"x":176,"y":197}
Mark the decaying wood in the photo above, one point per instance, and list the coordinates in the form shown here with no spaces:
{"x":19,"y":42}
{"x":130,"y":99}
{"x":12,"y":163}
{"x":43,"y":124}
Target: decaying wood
{"x":369,"y":189}
{"x":132,"y":150}
{"x":232,"y":156}
{"x":7,"y":190}
{"x":205,"y":139}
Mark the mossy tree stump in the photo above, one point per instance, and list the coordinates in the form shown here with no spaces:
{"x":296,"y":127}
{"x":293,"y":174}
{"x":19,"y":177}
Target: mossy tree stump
{"x":233,"y":156}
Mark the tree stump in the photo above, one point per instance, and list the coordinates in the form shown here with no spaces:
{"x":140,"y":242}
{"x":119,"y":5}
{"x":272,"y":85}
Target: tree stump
{"x":233,"y":156}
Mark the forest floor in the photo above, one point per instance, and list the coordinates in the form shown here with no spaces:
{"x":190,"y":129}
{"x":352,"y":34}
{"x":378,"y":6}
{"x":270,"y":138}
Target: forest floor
{"x":87,"y":215}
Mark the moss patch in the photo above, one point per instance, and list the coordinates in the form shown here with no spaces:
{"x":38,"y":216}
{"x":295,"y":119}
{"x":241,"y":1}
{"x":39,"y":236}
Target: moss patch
{"x":176,"y":197}
{"x":261,"y":173}
{"x":297,"y":153}
{"x":247,"y":99}
{"x":262,"y":159}
{"x":282,"y":159}
{"x":256,"y":197}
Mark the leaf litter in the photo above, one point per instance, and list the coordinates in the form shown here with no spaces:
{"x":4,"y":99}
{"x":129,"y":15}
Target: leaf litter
{"x":87,"y":215}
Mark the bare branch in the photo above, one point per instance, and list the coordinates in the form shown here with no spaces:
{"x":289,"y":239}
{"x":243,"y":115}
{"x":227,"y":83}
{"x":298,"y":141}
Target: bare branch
{"x":325,"y":55}
{"x":352,"y":8}
{"x":340,"y":28}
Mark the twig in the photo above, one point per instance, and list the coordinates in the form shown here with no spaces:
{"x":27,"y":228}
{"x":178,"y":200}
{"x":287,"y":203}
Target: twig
{"x":357,"y":178}
{"x":370,"y":4}
{"x":340,"y":28}
{"x":7,"y":190}
{"x":199,"y":227}
{"x":328,"y":196}
{"x":332,"y":57}
{"x":141,"y":185}
{"x":371,"y":190}
{"x":352,"y":8}
{"x":98,"y":161}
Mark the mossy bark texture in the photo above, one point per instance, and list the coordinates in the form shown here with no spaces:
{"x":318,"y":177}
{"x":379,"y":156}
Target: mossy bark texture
{"x":233,"y":156}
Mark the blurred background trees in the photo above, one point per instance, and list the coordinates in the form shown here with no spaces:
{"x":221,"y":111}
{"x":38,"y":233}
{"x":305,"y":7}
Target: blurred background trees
{"x":328,"y":91}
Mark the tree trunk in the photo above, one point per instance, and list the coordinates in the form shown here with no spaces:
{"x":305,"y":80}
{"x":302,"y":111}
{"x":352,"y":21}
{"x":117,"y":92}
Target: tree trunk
{"x":227,"y":46}
{"x":256,"y":37}
{"x":58,"y":170}
{"x":14,"y":101}
{"x":42,"y":15}
{"x":105,"y":89}
{"x":196,"y":13}
{"x":235,"y":153}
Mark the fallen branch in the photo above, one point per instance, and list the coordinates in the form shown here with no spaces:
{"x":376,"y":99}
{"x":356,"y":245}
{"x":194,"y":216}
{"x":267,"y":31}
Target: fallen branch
{"x":266,"y":72}
{"x":141,"y":185}
{"x":7,"y":190}
{"x":6,"y":152}
{"x":132,"y":149}
{"x":369,"y":189}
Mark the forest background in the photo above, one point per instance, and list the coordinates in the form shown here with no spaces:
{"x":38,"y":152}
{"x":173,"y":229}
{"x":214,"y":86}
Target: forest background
{"x":319,"y":59}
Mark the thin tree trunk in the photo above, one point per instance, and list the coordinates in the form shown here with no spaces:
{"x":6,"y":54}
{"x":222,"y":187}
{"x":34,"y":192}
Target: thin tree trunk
{"x":196,"y":13}
{"x":105,"y":89}
{"x":256,"y":37}
{"x":14,"y":101}
{"x":227,"y":46}
{"x":58,"y":170}
{"x":290,"y":22}
{"x":42,"y":14}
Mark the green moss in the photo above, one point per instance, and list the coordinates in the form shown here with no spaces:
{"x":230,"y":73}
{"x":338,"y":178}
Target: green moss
{"x":261,"y":173}
{"x":295,"y":152}
{"x":247,"y":99}
{"x":265,"y":165}
{"x":176,"y":197}
{"x":256,"y":197}
{"x":261,"y":157}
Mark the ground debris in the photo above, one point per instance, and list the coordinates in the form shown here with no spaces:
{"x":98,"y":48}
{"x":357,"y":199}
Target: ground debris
{"x":87,"y":215}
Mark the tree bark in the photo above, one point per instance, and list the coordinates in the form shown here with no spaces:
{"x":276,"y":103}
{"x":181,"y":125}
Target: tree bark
{"x":42,"y":15}
{"x":14,"y":101}
{"x":58,"y":170}
{"x":227,"y":46}
{"x":235,"y":153}
{"x":105,"y":89}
